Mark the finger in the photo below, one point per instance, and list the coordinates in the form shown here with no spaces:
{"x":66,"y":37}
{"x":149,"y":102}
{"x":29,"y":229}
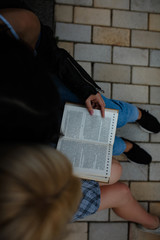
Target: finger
{"x":89,"y":107}
{"x":102,"y":105}
{"x":103,"y":111}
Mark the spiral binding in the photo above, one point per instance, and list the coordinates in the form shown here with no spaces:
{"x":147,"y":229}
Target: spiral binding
{"x":110,"y":145}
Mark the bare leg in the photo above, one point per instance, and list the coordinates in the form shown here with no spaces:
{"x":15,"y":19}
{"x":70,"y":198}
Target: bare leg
{"x":129,"y":146}
{"x":140,"y":114}
{"x":119,"y":198}
{"x":116,"y":171}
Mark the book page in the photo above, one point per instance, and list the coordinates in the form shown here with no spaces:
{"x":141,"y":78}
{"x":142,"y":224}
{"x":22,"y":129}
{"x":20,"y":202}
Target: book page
{"x":77,"y":123}
{"x":90,"y":158}
{"x":93,"y":177}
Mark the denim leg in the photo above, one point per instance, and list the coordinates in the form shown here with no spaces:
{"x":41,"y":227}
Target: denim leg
{"x":119,"y":146}
{"x":127,"y":112}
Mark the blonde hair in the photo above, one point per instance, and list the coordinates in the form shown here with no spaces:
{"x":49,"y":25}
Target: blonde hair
{"x":38,"y":192}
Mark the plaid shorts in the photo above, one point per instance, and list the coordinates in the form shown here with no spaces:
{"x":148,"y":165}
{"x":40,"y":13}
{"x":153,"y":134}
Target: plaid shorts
{"x":90,"y":201}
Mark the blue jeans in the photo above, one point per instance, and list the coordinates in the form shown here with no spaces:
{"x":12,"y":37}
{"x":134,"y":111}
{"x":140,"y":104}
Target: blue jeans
{"x":127,"y":112}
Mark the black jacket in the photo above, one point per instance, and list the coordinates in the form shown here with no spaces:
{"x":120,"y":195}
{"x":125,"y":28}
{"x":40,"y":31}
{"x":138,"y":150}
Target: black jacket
{"x":59,"y":61}
{"x":15,"y":122}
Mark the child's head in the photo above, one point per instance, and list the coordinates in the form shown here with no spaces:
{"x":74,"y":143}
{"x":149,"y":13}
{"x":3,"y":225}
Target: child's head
{"x":38,"y":193}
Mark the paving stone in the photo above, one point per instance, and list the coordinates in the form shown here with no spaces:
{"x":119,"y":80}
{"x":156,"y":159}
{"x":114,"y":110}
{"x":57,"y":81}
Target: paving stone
{"x":155,"y":208}
{"x":144,"y":75}
{"x":111,"y":36}
{"x":134,"y":172}
{"x":76,"y":231}
{"x":155,"y":137}
{"x":63,"y":13}
{"x":97,"y":217}
{"x":87,"y":67}
{"x":105,"y":231}
{"x":130,"y":93}
{"x":111,"y":73}
{"x":136,"y":234}
{"x":123,"y":4}
{"x":154,"y":22}
{"x":92,"y":16}
{"x":128,"y":19}
{"x":130,"y":56}
{"x":146,"y":191}
{"x":154,"y":172}
{"x":68,"y":46}
{"x":76,"y":2}
{"x":132,"y":132}
{"x":145,"y":39}
{"x":147,"y":6}
{"x":73,"y":32}
{"x":155,"y":58}
{"x":106,"y":87}
{"x":155,"y":95}
{"x":92,"y":52}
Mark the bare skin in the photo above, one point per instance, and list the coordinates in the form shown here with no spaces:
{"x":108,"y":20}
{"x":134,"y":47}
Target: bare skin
{"x":119,"y":198}
{"x":117,"y":195}
{"x":28,"y":29}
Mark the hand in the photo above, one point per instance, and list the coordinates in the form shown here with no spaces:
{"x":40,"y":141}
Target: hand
{"x":95,"y":102}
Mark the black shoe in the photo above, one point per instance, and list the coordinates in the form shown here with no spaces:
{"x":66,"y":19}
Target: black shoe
{"x":148,"y":122}
{"x":137,"y":154}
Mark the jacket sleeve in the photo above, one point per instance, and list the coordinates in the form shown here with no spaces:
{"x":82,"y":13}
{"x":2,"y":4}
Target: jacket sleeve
{"x":61,"y":63}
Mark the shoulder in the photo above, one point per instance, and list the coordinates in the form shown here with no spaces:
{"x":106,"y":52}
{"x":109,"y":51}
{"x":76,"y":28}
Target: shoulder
{"x":28,"y":29}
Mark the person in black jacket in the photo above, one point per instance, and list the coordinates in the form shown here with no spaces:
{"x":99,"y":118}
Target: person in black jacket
{"x":42,"y":77}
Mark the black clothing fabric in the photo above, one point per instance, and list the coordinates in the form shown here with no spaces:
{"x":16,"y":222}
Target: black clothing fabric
{"x":29,"y":103}
{"x":61,"y":63}
{"x":13,"y":4}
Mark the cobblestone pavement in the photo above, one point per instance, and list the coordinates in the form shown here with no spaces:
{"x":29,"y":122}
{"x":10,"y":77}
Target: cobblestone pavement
{"x":118,"y":44}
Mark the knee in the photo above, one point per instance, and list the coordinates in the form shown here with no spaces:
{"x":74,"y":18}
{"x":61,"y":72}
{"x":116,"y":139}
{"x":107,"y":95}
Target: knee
{"x":116,"y":171}
{"x":122,"y":119}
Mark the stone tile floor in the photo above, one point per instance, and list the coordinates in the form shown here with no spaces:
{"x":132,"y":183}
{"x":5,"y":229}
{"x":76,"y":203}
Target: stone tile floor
{"x":144,"y":181}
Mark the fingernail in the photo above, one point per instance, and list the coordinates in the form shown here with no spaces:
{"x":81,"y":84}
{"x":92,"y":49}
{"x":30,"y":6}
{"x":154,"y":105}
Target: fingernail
{"x":91,"y":112}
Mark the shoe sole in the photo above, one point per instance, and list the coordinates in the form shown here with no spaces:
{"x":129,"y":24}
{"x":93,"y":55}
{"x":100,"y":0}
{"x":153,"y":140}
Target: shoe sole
{"x":136,"y":162}
{"x":155,"y":232}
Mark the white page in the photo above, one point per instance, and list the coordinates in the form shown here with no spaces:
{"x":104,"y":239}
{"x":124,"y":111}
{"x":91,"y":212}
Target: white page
{"x":77,"y":123}
{"x":88,"y":158}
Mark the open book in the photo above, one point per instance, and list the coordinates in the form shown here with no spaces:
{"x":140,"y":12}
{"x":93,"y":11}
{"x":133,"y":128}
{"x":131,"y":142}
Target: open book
{"x":88,"y":140}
